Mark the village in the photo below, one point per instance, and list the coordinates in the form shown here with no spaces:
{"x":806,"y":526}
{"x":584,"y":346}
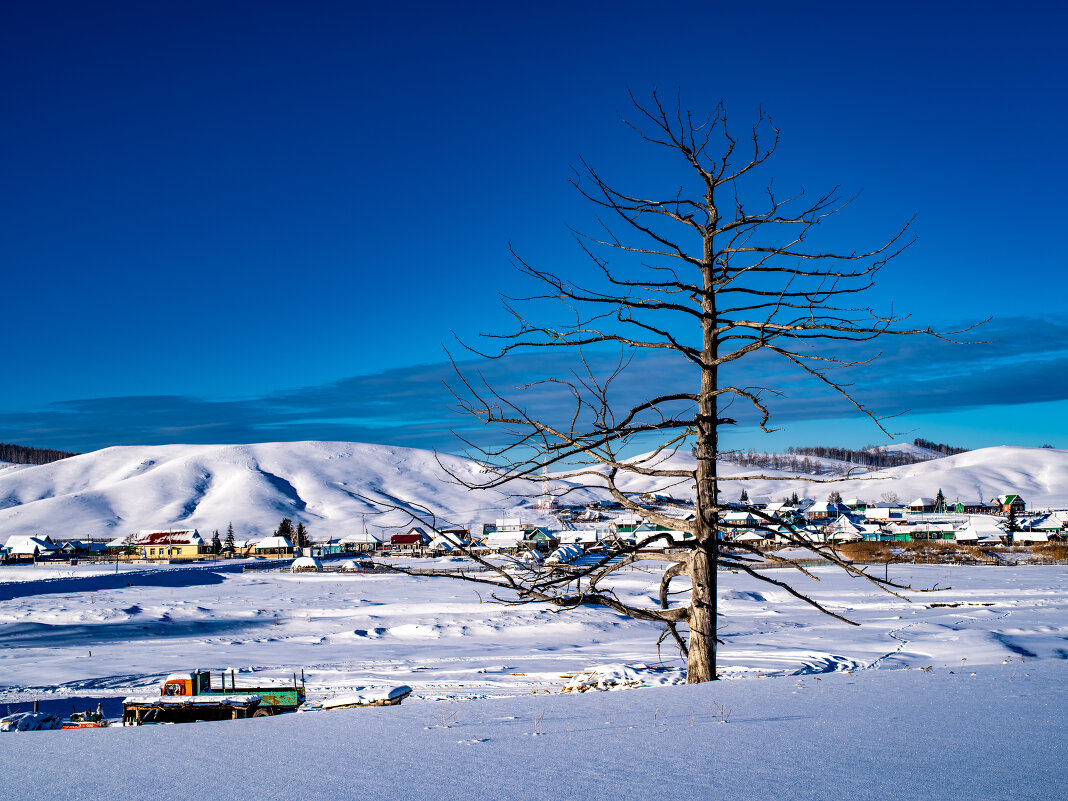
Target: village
{"x":587,"y":531}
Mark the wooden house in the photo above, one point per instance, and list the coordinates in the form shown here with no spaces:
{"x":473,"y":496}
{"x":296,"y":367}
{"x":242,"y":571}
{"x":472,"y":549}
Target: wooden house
{"x":273,"y":546}
{"x":20,"y":546}
{"x":167,"y":544}
{"x":1003,"y":504}
{"x":414,"y":539}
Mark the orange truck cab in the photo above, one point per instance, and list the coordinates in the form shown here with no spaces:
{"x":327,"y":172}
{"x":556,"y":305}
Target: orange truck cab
{"x":186,"y":683}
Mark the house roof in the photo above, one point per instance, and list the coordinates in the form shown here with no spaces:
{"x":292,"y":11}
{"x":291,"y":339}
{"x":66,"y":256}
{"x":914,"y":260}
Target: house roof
{"x":188,"y":536}
{"x":825,"y":507}
{"x":354,"y":539}
{"x":273,"y":542}
{"x":408,"y":539}
{"x":23,"y":544}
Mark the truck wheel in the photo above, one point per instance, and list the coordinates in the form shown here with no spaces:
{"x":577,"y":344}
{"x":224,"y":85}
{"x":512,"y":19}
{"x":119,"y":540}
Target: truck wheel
{"x":261,"y":713}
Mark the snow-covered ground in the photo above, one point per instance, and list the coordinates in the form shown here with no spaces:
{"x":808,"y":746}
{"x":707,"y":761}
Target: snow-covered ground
{"x":84,"y":631}
{"x":958,"y":694}
{"x":333,"y":487}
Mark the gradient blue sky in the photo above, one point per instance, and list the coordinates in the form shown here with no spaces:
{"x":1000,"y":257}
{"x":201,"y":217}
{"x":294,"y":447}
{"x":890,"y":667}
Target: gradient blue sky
{"x":259,"y":221}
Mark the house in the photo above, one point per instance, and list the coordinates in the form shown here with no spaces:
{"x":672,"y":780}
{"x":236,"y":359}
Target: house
{"x":919,"y":505}
{"x":162,"y":544}
{"x":20,"y":546}
{"x":449,"y":540}
{"x":825,"y":510}
{"x":980,"y":530}
{"x":1029,"y":537}
{"x":1003,"y":504}
{"x":843,"y":530}
{"x":331,"y":547}
{"x":883,"y":514}
{"x":1053,"y":523}
{"x":972,"y":508}
{"x":750,"y":538}
{"x":587,"y":537}
{"x":415,"y":539}
{"x":741,"y":519}
{"x":358,"y":543}
{"x":273,"y":546}
{"x":82,"y":548}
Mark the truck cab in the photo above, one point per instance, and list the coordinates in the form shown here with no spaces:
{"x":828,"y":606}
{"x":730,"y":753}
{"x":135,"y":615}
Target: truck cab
{"x":195,"y":683}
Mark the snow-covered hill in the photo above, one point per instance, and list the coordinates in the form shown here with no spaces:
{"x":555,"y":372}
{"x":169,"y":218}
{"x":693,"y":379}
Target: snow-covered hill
{"x":119,"y":490}
{"x":1040,"y":475}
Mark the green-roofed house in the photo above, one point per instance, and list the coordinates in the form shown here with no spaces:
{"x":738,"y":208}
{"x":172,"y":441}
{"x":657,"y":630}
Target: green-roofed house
{"x":1004,"y":503}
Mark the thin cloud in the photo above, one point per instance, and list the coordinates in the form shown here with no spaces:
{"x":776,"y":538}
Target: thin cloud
{"x":1020,"y":360}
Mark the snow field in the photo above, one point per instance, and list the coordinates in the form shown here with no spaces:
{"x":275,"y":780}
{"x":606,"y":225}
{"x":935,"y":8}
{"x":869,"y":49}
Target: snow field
{"x":114,"y":635}
{"x":925,"y":736}
{"x":965,"y":699}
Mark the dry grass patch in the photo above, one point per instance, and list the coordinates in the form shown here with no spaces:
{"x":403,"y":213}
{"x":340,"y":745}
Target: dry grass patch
{"x":1051,"y":550}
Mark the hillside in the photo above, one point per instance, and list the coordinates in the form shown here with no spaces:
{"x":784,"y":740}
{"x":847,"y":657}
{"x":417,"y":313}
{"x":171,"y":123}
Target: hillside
{"x":115,"y":491}
{"x":1040,"y":475}
{"x":118,"y":490}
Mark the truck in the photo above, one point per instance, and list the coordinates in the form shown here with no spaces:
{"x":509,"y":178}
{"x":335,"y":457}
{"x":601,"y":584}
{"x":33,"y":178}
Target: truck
{"x":272,"y":699}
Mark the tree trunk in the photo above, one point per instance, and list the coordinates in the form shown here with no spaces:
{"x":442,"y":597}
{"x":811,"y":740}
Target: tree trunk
{"x":701,"y":659}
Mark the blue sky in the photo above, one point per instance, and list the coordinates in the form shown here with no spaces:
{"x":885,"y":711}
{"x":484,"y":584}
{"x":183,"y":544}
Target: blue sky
{"x":247,"y":222}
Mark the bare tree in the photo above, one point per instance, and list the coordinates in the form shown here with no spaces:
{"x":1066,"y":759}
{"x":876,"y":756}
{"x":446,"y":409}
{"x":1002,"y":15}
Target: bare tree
{"x":714,"y":274}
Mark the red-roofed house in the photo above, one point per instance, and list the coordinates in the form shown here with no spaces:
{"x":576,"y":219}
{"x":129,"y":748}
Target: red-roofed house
{"x":415,"y":538}
{"x":173,"y":544}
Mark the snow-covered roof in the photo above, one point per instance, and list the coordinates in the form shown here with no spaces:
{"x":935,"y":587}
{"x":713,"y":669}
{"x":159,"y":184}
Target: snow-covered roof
{"x":184,"y":536}
{"x":21,"y":544}
{"x":506,"y":539}
{"x":565,"y":554}
{"x":843,"y":526}
{"x":749,"y":536}
{"x":825,"y":507}
{"x":361,"y":539}
{"x":271,"y":543}
{"x":1030,"y":536}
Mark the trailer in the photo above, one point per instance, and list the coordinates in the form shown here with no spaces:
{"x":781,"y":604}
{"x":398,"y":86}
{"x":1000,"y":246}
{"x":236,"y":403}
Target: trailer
{"x":137,"y":711}
{"x":198,"y":684}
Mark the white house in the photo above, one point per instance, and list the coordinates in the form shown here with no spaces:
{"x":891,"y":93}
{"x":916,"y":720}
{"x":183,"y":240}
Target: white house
{"x":278,"y":546}
{"x":20,"y":546}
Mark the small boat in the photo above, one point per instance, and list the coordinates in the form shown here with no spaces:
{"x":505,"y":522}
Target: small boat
{"x":384,"y":698}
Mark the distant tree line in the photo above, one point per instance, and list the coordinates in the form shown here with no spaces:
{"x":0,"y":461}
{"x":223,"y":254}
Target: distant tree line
{"x":772,"y":461}
{"x":23,"y":454}
{"x":938,"y":447}
{"x":796,"y":459}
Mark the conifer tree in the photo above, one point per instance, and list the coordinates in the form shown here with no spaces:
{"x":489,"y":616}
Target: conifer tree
{"x":230,"y":538}
{"x":940,"y":501}
{"x":302,"y":540}
{"x":1011,"y":525}
{"x":285,"y":529}
{"x":216,"y":543}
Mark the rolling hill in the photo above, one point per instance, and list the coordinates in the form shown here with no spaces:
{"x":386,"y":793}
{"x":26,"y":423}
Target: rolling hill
{"x":332,"y":486}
